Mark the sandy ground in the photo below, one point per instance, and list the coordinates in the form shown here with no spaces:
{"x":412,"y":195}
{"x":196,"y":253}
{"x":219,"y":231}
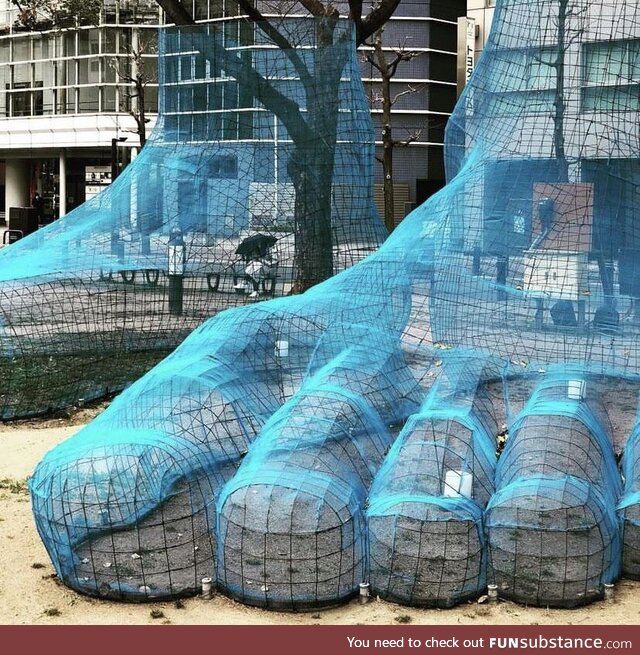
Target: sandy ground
{"x":31,"y":594}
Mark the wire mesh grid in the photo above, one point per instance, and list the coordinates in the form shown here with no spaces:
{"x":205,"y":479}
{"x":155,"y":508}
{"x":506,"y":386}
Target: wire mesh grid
{"x":350,"y":434}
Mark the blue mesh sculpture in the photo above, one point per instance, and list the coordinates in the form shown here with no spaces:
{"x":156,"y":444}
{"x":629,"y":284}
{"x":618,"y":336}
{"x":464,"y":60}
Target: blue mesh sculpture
{"x":552,"y":526}
{"x":215,"y":212}
{"x":426,"y":529}
{"x":296,"y":448}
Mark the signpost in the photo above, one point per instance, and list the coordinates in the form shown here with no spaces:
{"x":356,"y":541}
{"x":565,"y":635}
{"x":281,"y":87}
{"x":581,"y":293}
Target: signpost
{"x":466,"y":50}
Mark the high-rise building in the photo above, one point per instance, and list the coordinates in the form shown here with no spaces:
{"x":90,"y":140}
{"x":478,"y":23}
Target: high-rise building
{"x":70,"y":107}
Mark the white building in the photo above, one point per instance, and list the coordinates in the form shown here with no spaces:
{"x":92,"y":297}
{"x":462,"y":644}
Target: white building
{"x":64,"y":97}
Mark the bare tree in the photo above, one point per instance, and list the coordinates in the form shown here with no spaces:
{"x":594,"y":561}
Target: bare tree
{"x":313,"y":132}
{"x":46,"y":14}
{"x":137,"y":77}
{"x":566,"y":12}
{"x":568,"y":31}
{"x":139,"y":80}
{"x":386,"y":63}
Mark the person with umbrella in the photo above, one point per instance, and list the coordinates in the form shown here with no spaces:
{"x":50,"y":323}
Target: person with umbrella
{"x":255,"y":252}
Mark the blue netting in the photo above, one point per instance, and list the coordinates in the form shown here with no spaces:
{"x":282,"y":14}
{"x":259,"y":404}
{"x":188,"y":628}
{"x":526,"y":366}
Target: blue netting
{"x":349,"y":434}
{"x":333,"y":434}
{"x":425,"y":514}
{"x":553,"y":531}
{"x":226,"y":204}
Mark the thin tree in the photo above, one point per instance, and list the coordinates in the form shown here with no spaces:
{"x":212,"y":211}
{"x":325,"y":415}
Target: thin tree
{"x":568,"y":10}
{"x":559,"y":104}
{"x":387,"y":67}
{"x":136,"y":77}
{"x":313,"y":132}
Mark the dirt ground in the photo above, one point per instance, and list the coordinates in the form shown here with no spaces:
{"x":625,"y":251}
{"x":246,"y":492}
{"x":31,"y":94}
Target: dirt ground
{"x":31,"y":594}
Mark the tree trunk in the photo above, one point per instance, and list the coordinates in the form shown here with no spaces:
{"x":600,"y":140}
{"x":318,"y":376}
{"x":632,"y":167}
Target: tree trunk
{"x":387,"y":170}
{"x":559,"y":100}
{"x":142,"y":117}
{"x":311,"y":168}
{"x":313,"y":259}
{"x":387,"y":149}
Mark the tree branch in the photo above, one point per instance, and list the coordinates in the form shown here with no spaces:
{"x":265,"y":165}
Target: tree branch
{"x":375,"y":20}
{"x":176,"y":12}
{"x":410,"y":90}
{"x":355,"y":11}
{"x":18,"y":5}
{"x":401,"y":55}
{"x":403,"y":143}
{"x":278,"y":38}
{"x":284,"y":108}
{"x":378,"y":60}
{"x":370,"y":58}
{"x":316,"y":8}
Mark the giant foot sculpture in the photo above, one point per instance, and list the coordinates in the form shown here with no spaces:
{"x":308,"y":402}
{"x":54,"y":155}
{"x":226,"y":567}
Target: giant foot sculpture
{"x":347,"y":435}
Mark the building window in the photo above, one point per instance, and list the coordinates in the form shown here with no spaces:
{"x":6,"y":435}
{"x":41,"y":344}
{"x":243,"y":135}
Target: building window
{"x":521,"y":81}
{"x":611,"y":76}
{"x":88,"y":99}
{"x":74,"y":72}
{"x":19,"y":101}
{"x":109,"y":98}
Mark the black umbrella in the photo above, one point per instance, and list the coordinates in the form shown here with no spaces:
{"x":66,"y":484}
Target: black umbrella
{"x":256,"y":243}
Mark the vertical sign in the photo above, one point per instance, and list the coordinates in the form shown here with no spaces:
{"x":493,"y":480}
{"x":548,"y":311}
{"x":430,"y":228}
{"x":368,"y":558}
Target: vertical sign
{"x":466,"y":50}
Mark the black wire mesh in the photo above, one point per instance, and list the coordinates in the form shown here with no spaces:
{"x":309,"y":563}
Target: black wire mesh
{"x":298,"y":428}
{"x":257,"y":180}
{"x":554,"y":537}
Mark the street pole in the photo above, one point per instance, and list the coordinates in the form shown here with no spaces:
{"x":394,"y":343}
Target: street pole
{"x":117,"y":247}
{"x":115,"y":163}
{"x":175,"y":271}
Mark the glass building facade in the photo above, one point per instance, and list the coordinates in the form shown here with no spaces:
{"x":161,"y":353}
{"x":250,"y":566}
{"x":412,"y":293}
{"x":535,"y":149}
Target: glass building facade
{"x":67,"y":92}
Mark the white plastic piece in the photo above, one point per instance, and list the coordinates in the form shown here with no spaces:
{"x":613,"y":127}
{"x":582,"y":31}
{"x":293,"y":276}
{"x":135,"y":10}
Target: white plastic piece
{"x":365,"y":595}
{"x":207,"y":589}
{"x":282,"y":349}
{"x":576,"y":389}
{"x":492,"y":592}
{"x":458,"y":483}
